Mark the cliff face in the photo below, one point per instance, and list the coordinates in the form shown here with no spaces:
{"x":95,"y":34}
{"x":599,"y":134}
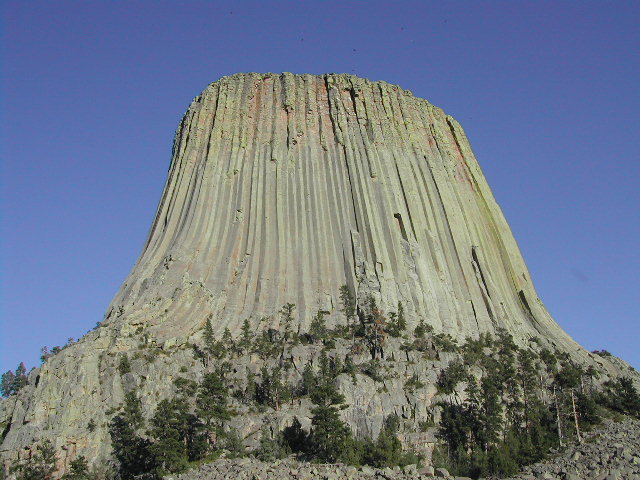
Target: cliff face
{"x":282,"y":188}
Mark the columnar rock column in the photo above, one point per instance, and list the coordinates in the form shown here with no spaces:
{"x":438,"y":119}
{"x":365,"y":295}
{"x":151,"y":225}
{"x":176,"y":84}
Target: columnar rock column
{"x":284,"y":187}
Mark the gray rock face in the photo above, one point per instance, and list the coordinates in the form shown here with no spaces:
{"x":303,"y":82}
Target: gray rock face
{"x":282,"y":188}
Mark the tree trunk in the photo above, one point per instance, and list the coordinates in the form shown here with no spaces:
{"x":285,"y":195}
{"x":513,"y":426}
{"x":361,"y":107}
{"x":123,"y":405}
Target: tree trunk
{"x":575,"y":417}
{"x":555,"y":397}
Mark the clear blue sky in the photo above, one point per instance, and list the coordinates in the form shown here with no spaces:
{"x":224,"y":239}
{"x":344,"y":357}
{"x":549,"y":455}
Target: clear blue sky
{"x":92,"y":93}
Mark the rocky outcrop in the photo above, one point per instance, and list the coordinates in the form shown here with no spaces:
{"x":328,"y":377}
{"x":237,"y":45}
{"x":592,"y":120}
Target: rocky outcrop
{"x":283,"y":188}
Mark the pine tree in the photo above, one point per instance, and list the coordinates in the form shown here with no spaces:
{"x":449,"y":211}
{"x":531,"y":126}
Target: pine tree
{"x":295,"y":437}
{"x":185,"y":387}
{"x":402,"y":321}
{"x":588,"y":408}
{"x":287,"y":320}
{"x":271,"y":447}
{"x":229,"y":346}
{"x":130,"y":450}
{"x":348,"y":309}
{"x":374,"y":326}
{"x":44,"y":354}
{"x":196,"y":438}
{"x":449,"y":378}
{"x":621,"y":395}
{"x":329,"y":435}
{"x":308,"y":381}
{"x":348,"y":303}
{"x":323,"y":390}
{"x":527,"y":376}
{"x":350,"y":368}
{"x":20,"y":379}
{"x":472,"y":412}
{"x":397,"y":322}
{"x":169,"y":430}
{"x":265,"y":346}
{"x":192,"y":429}
{"x":318,"y":327}
{"x":234,"y":444}
{"x":568,"y":376}
{"x":211,"y":347}
{"x":454,"y":429}
{"x":504,"y":369}
{"x":421,"y":329}
{"x":208,"y":337}
{"x":246,"y":337}
{"x":387,"y":449}
{"x":272,"y":391}
{"x":251,"y":389}
{"x":8,"y":383}
{"x":211,"y":405}
{"x":79,"y":470}
{"x":13,"y":382}
{"x":491,"y":412}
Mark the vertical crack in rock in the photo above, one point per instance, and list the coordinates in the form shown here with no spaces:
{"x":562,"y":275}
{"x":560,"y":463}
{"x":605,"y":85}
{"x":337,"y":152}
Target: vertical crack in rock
{"x":476,"y":263}
{"x":406,"y":203}
{"x":525,"y":303}
{"x":455,"y":138}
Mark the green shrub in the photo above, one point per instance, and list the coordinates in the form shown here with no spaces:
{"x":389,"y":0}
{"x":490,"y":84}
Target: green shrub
{"x":422,"y":329}
{"x":445,"y":342}
{"x":601,"y":353}
{"x":413,"y":384}
{"x":79,"y":470}
{"x":272,"y":447}
{"x":124,"y":366}
{"x":621,"y":396}
{"x":397,"y":323}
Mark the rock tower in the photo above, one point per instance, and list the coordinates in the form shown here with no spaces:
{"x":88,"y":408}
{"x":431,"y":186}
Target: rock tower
{"x":283,"y":188}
